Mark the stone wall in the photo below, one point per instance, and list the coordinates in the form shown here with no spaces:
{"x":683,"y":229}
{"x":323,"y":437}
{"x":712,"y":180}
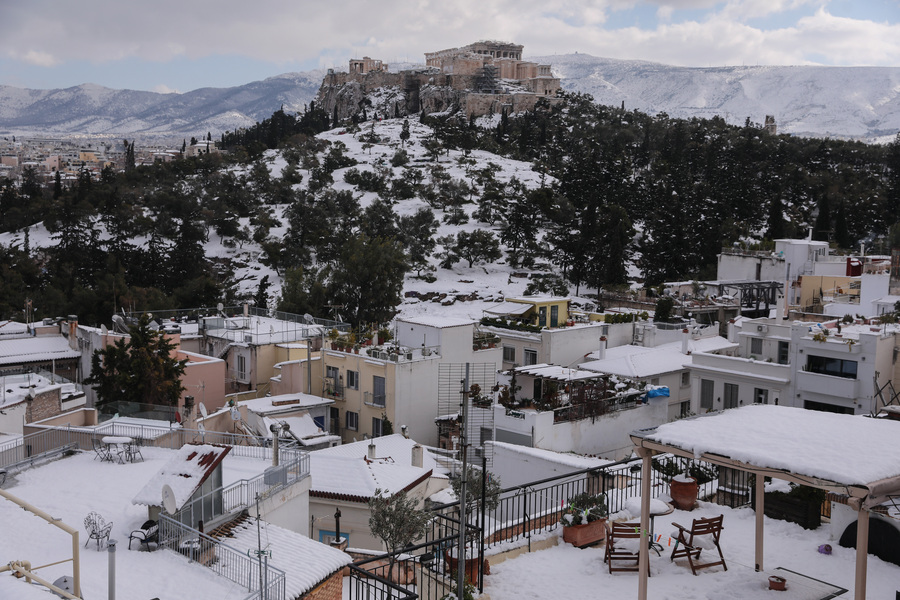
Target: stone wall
{"x":344,"y":94}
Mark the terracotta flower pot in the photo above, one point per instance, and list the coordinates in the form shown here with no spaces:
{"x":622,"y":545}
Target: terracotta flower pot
{"x":683,"y":491}
{"x":777,"y":583}
{"x":585,"y":535}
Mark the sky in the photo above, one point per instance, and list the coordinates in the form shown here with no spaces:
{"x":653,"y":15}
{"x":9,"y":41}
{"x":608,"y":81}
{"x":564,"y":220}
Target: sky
{"x":179,"y":46}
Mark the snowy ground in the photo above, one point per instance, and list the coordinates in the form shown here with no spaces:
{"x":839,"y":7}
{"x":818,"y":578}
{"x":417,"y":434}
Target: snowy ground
{"x":70,"y":488}
{"x":567,"y":572}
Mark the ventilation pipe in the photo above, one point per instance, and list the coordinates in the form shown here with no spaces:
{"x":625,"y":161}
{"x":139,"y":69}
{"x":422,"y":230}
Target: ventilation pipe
{"x":685,"y":341}
{"x":372,"y":450}
{"x":601,"y":355}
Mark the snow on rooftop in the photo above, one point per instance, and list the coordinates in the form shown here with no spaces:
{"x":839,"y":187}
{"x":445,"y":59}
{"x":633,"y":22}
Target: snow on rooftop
{"x":847,"y":449}
{"x":558,"y":373}
{"x":346,"y":470}
{"x":576,"y":461}
{"x":641,"y":362}
{"x":284,"y":403}
{"x":184,"y":473}
{"x":33,"y":349}
{"x":437,"y":321}
{"x":70,"y":488}
{"x":305,"y":562}
{"x":508,"y":308}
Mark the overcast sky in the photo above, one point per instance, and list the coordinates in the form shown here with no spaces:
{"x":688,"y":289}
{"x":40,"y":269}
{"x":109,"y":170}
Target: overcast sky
{"x":168,"y":45}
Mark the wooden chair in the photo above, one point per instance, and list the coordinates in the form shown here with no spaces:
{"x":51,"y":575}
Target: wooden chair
{"x":622,"y":546}
{"x":704,"y":534}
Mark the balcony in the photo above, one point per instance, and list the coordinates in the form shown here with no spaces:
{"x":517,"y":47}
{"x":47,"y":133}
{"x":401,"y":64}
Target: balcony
{"x":827,"y":385}
{"x":378,"y":400}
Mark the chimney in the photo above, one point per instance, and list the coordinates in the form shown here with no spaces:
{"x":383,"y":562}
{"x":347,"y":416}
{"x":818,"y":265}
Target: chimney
{"x":371,"y":449}
{"x":602,"y":353}
{"x":418,"y":456}
{"x":685,"y":341}
{"x":73,"y":332}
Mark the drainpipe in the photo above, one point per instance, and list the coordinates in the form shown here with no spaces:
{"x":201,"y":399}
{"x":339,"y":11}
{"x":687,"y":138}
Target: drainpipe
{"x":111,"y":546}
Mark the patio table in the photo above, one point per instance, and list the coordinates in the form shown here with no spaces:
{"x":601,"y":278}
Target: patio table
{"x":117,"y":444}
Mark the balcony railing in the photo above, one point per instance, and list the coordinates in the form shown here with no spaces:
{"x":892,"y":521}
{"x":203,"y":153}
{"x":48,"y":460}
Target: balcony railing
{"x":375,"y":399}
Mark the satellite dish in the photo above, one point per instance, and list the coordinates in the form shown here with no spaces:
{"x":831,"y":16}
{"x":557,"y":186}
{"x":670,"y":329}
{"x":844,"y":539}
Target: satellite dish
{"x":103,"y":330}
{"x":203,"y":412}
{"x":65,"y":583}
{"x":168,"y":499}
{"x":235,"y":414}
{"x":220,"y":307}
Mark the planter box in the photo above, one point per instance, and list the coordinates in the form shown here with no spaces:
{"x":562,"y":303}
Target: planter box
{"x":588,"y":534}
{"x":805,"y":513}
{"x":452,"y":565}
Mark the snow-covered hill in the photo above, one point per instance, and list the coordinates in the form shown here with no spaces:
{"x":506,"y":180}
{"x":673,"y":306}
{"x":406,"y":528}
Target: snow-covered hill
{"x":853,"y":102}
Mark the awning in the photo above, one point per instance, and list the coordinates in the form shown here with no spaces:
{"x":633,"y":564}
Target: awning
{"x":508,"y":309}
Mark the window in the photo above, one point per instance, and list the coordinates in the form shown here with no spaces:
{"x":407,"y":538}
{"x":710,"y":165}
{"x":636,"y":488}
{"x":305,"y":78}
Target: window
{"x":376,"y":426}
{"x":783,"y":350}
{"x":333,"y":372}
{"x":836,"y":367}
{"x":509,"y":354}
{"x":760,"y":396}
{"x":352,"y":420}
{"x":353,"y":380}
{"x":756,"y":346}
{"x":241,"y":367}
{"x":685,"y":409}
{"x":327,"y":537}
{"x":554,"y":316}
{"x":530,"y":357}
{"x":706,"y":394}
{"x":731,"y":395}
{"x":685,"y":379}
{"x":378,"y":396}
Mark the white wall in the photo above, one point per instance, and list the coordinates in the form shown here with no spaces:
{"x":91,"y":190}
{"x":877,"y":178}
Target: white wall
{"x":516,"y":467}
{"x":607,"y":436}
{"x":12,"y":419}
{"x":289,"y":508}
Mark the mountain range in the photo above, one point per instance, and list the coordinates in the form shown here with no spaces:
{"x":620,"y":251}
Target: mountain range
{"x":843,"y":102}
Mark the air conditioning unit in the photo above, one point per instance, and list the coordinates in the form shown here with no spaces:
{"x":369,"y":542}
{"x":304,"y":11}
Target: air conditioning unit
{"x":762,"y":328}
{"x":248,"y":339}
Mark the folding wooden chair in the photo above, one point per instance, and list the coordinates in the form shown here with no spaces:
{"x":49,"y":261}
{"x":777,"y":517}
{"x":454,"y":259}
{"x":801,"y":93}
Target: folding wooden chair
{"x":703,"y":535}
{"x":622,"y":546}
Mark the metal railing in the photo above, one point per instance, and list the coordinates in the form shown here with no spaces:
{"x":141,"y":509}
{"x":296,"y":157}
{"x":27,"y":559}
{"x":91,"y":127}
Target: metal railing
{"x":374,"y":399}
{"x":243,"y":493}
{"x":222,"y":559}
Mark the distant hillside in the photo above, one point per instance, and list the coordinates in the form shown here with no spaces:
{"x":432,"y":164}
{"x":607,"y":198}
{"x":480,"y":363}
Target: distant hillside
{"x":854,"y":102}
{"x":95,"y":110}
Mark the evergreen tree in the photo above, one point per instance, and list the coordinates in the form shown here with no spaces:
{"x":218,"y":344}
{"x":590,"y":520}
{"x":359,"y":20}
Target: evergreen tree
{"x":141,"y":369}
{"x":478,"y":246}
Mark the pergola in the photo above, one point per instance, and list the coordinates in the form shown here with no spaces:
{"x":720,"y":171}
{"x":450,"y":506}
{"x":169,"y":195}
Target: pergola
{"x":846,"y":454}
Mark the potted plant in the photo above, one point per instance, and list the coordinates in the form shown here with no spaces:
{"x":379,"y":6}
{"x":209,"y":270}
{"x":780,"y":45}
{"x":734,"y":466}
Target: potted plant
{"x":584,"y":519}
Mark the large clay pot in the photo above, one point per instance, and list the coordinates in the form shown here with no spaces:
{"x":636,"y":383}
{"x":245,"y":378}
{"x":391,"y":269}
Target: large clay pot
{"x":585,"y":535}
{"x":684,"y":492}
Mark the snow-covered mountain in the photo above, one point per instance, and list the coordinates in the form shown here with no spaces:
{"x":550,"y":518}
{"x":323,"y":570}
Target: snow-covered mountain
{"x":854,"y":102}
{"x":90,"y":109}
